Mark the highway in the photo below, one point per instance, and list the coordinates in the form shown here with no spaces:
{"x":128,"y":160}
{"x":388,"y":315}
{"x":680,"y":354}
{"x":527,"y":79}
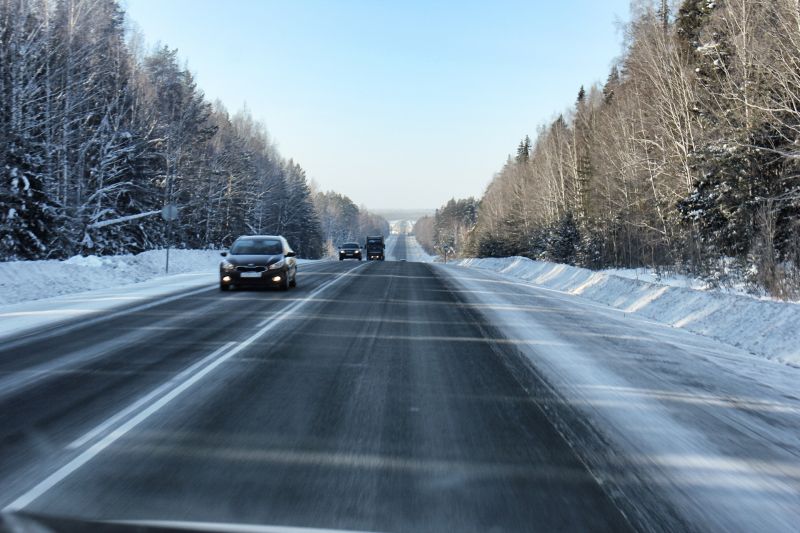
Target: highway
{"x":367,"y":399}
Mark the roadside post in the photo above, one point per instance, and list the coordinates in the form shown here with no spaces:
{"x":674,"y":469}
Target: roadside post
{"x":169,"y":213}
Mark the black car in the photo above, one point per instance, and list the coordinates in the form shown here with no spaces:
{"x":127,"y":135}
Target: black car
{"x":258,"y":261}
{"x":349,"y":250}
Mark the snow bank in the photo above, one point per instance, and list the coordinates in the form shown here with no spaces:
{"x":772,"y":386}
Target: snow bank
{"x":767,"y":328}
{"x":32,"y":280}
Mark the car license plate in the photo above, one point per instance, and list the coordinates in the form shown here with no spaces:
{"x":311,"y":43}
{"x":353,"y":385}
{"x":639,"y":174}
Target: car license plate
{"x":251,"y":274}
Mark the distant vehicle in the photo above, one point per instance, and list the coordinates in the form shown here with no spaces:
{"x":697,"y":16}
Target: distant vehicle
{"x":350,"y":250}
{"x":258,"y":261}
{"x":375,"y":247}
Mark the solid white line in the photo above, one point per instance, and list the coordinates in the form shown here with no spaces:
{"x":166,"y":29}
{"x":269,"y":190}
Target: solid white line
{"x":31,"y":375}
{"x":63,"y":472}
{"x":66,"y":325}
{"x":28,"y":376}
{"x":77,"y":443}
{"x":59,"y":327}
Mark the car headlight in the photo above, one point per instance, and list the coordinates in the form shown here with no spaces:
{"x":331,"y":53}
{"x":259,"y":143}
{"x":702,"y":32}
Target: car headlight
{"x":277,"y":264}
{"x":227,"y":267}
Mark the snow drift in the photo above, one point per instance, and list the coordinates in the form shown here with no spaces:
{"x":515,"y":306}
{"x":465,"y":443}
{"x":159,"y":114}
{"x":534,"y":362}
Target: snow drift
{"x":767,"y":328}
{"x":31,"y":280}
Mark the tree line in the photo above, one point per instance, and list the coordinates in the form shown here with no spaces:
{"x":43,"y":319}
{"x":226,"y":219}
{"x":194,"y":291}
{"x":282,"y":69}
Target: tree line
{"x":686,"y":157}
{"x":97,"y":135}
{"x":343,"y":221}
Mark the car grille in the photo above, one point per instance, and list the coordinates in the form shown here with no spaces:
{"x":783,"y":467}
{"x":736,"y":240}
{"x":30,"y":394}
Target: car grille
{"x":251,"y":269}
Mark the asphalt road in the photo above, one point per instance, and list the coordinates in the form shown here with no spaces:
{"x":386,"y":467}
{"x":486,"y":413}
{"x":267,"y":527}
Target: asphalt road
{"x":367,"y":399}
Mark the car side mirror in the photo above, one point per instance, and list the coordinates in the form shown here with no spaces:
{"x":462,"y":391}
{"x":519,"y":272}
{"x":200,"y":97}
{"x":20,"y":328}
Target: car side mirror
{"x":290,"y":254}
{"x":224,"y":254}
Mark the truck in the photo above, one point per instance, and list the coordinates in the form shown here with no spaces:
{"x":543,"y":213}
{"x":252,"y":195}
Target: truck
{"x":375,"y":248}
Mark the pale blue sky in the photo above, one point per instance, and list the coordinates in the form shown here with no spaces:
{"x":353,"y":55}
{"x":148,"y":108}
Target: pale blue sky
{"x":398,"y":104}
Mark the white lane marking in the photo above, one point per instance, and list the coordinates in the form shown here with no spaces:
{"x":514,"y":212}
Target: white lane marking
{"x":59,"y":475}
{"x":59,"y":328}
{"x":220,"y":526}
{"x":77,"y":443}
{"x":26,"y":377}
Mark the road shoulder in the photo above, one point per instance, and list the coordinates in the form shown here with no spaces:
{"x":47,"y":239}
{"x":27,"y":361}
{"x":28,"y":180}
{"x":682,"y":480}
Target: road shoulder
{"x":667,"y":420}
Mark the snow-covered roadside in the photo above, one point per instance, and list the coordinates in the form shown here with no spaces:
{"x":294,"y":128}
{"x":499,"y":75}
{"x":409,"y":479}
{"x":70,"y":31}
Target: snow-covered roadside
{"x":416,"y":253}
{"x":36,"y":314}
{"x":694,"y":435}
{"x":390,"y":242}
{"x":22,"y":281}
{"x":37,"y":294}
{"x":770,"y":329}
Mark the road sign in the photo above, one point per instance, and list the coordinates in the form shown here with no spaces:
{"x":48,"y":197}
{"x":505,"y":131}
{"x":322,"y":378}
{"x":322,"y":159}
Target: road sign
{"x":169,"y":212}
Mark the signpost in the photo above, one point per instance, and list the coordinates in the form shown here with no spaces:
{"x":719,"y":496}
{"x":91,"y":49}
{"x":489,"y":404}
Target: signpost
{"x":169,"y":213}
{"x":445,"y":249}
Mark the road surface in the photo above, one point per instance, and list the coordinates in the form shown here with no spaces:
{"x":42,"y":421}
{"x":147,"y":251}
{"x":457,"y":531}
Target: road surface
{"x":368,"y":399}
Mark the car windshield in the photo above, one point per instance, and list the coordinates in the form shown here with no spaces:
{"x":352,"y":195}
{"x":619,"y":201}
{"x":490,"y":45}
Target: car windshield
{"x":571,"y":301}
{"x":256,"y":247}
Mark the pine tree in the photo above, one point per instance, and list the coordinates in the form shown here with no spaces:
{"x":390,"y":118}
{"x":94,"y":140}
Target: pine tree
{"x":690,"y":21}
{"x":26,"y":216}
{"x":301,"y":223}
{"x":563,"y":241}
{"x":612,"y":82}
{"x":735,"y":181}
{"x":524,"y":150}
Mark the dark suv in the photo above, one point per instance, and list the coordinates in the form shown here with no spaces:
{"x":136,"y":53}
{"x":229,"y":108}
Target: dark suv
{"x":349,"y":250}
{"x":258,"y":261}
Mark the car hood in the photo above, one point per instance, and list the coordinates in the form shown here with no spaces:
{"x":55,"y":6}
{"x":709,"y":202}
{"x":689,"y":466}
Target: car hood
{"x":254,"y":260}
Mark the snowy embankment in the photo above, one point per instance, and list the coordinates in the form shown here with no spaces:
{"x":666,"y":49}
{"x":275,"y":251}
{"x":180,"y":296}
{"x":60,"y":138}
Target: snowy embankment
{"x":767,"y":328}
{"x":22,"y":281}
{"x":38,"y":294}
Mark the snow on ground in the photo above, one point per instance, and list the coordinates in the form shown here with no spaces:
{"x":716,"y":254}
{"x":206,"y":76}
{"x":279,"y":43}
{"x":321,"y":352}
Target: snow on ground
{"x":20,"y":317}
{"x":667,"y":278}
{"x":694,"y":435}
{"x":768,"y":328}
{"x":32,"y":280}
{"x":36,"y":294}
{"x":673,"y":279}
{"x":415,"y":252}
{"x":391,"y":242}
